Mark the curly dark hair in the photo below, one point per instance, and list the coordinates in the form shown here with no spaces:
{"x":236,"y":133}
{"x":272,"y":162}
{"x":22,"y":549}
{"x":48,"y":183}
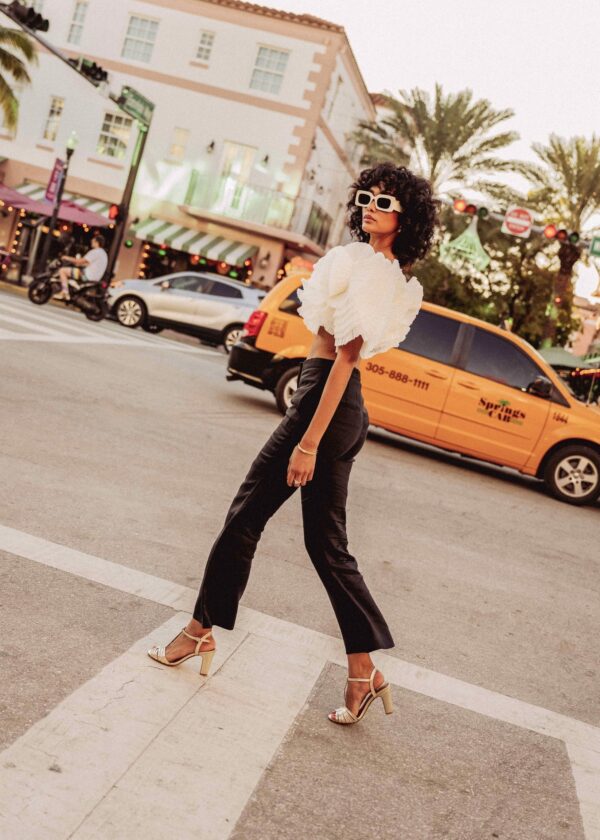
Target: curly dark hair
{"x":419,"y":209}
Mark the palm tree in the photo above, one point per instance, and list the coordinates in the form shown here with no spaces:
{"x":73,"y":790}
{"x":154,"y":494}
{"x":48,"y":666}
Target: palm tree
{"x":450,"y":140}
{"x":12,"y":41}
{"x":566,"y":192}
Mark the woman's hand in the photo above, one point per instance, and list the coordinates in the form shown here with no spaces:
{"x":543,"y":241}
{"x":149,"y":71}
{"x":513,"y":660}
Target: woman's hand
{"x":301,"y":468}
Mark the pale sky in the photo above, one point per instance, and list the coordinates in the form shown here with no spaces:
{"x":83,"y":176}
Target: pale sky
{"x":539,"y":57}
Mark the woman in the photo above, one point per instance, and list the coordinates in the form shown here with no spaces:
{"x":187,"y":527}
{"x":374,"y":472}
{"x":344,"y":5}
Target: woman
{"x":357,"y":303}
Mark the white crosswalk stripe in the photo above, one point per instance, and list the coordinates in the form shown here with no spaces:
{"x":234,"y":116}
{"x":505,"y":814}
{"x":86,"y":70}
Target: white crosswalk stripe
{"x":21,"y":320}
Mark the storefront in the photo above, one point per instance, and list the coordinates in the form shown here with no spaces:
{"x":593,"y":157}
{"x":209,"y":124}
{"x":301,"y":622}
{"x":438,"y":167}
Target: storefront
{"x":168,"y":247}
{"x":24,"y":221}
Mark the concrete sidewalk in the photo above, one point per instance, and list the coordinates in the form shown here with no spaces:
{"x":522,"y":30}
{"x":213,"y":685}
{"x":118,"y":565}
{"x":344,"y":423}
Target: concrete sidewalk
{"x":144,"y":751}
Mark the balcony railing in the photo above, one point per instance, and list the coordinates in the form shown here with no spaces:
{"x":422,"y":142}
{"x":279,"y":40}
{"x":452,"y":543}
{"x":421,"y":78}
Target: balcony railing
{"x":251,"y":203}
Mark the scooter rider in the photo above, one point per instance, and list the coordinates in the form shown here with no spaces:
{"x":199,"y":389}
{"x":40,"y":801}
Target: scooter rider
{"x":92,"y":264}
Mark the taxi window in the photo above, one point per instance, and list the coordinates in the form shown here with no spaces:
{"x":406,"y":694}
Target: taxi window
{"x":495,"y":358}
{"x":432,"y":336}
{"x":291,"y":304}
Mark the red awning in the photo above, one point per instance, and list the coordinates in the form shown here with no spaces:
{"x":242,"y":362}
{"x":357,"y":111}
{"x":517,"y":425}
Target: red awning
{"x":69,"y":211}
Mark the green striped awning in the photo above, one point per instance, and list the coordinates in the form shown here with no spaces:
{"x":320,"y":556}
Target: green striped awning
{"x":195,"y":242}
{"x":37,"y":192}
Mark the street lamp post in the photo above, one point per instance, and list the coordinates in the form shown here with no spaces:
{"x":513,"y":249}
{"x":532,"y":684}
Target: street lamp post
{"x":71,"y":146}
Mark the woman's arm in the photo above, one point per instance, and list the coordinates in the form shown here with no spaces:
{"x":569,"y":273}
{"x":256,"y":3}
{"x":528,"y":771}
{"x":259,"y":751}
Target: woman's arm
{"x":301,"y":466}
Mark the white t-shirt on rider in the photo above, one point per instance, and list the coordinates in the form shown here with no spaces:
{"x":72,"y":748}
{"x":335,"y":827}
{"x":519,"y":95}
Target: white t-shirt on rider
{"x":97,"y":261}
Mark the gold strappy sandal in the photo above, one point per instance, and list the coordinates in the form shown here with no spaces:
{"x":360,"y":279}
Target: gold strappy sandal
{"x":344,"y":716}
{"x":159,"y":655}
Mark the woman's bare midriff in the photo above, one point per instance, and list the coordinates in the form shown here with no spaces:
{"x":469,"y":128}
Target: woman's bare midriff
{"x":323,"y":346}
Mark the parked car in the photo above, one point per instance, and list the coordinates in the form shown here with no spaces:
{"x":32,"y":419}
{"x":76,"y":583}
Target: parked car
{"x":212,"y":307}
{"x":455,"y":382}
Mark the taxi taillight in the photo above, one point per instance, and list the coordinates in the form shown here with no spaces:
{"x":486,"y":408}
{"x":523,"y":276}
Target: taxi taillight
{"x":254,"y":323}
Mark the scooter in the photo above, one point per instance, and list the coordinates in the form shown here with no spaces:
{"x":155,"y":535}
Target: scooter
{"x":88,"y":297}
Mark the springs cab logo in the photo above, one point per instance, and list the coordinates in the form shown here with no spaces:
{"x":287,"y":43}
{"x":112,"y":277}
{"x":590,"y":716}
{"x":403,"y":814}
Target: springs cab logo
{"x":501,"y":410}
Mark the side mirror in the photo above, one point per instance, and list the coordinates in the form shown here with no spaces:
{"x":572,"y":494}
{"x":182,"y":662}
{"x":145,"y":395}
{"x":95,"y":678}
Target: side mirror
{"x":165,"y":285}
{"x":540,"y":387}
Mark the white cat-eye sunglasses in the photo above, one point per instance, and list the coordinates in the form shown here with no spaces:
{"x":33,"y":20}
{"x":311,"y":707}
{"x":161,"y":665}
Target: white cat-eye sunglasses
{"x":384,"y":202}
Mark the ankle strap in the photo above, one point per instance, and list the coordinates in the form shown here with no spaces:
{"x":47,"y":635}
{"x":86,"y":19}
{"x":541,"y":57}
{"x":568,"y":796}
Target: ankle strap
{"x":370,"y":680}
{"x":197,"y":638}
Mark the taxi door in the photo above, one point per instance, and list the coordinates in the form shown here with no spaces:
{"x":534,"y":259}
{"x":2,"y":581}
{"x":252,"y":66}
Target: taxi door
{"x":488,"y":412}
{"x":406,"y":387}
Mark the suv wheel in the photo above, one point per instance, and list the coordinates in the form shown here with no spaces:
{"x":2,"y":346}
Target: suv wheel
{"x":286,"y":388}
{"x":231,"y":335}
{"x":572,"y":474}
{"x":130,"y":311}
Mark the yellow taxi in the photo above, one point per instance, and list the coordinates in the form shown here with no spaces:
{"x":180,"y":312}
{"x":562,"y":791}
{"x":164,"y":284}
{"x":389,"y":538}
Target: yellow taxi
{"x":455,"y":382}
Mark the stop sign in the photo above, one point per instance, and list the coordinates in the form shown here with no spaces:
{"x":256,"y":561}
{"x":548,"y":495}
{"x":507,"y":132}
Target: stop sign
{"x":517,"y":221}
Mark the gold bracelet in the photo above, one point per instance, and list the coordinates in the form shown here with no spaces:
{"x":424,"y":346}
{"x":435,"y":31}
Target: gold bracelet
{"x":305,"y":451}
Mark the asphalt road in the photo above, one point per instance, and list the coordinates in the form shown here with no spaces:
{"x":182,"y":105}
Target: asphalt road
{"x":128,"y":447}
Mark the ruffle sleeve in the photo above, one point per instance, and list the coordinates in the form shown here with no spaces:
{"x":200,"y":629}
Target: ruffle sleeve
{"x":330,"y":276}
{"x":359,"y":292}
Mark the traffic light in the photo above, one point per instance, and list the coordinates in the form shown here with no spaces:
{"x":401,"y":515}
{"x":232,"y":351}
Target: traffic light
{"x":92,"y":71}
{"x":463,"y":206}
{"x":28,"y":17}
{"x":561,"y":234}
{"x":115,"y":213}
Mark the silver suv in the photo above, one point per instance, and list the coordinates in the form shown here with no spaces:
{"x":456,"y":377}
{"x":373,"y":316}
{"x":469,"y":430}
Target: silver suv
{"x":209,"y":306}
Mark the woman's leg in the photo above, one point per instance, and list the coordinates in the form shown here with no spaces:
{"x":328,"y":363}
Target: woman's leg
{"x":363,"y":627}
{"x":261,"y":494}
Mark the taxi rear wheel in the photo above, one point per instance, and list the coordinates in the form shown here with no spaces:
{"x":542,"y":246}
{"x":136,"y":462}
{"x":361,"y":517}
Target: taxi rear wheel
{"x":286,"y":388}
{"x":572,"y":474}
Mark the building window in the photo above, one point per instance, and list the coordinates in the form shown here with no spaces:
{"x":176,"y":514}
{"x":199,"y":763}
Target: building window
{"x":114,"y":136}
{"x":77,"y":21}
{"x":178,"y":145}
{"x":318,"y":225}
{"x":57,"y":103}
{"x":140,"y":38}
{"x":205,"y":46}
{"x":269,"y":69}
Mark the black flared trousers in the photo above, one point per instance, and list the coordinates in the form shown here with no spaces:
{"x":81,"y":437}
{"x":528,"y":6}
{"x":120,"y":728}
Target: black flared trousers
{"x":263,"y":492}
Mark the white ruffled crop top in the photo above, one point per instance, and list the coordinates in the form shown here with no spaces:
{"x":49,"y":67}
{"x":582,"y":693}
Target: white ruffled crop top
{"x":354,"y":290}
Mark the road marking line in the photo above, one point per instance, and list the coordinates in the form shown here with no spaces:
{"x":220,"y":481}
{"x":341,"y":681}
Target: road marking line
{"x":195,"y":778}
{"x":54,"y":321}
{"x":99,"y":333}
{"x":21,"y":322}
{"x":582,"y":740}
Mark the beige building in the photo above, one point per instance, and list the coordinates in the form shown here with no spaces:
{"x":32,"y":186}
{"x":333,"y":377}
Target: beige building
{"x":588,"y":336}
{"x":250,"y":152}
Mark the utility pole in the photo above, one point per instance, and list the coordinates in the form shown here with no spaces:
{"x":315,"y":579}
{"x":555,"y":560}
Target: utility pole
{"x":140,"y":109}
{"x":71,"y":144}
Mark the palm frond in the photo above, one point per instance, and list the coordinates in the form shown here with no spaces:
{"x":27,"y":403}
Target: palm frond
{"x":9,"y":104}
{"x":18,"y":40}
{"x":13,"y":65}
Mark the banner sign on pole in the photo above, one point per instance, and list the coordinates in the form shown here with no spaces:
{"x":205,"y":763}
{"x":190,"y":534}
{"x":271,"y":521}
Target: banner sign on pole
{"x":55,"y":179}
{"x":595,"y":247}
